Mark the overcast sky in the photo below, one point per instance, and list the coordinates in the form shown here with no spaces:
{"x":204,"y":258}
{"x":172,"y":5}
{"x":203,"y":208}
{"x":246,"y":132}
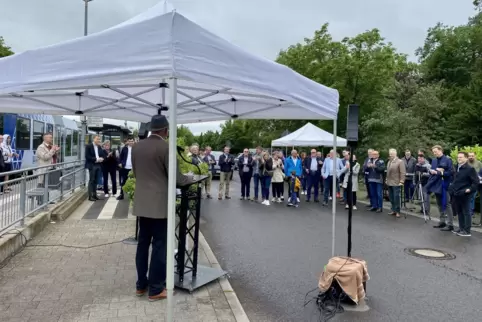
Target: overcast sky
{"x":263,"y":27}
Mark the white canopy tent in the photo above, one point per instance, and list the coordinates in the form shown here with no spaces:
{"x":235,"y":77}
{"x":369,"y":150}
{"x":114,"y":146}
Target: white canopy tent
{"x":121,"y":73}
{"x":308,"y":135}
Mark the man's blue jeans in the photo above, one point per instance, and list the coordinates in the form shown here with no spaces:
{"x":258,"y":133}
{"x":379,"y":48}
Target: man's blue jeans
{"x":265,"y":184}
{"x":394,"y":195}
{"x":151,"y":231}
{"x":376,"y":195}
{"x":472,"y":203}
{"x":256,"y":182}
{"x":328,"y":187}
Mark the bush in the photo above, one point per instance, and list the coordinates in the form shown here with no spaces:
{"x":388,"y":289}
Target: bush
{"x":476,"y":149}
{"x":184,"y":167}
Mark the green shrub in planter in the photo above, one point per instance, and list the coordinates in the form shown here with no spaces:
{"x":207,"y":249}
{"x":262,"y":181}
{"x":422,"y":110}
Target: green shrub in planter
{"x":184,"y":167}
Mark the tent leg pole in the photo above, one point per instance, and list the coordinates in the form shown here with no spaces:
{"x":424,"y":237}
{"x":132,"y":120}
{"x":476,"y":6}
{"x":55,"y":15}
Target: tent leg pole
{"x":171,"y":199}
{"x":333,"y":209}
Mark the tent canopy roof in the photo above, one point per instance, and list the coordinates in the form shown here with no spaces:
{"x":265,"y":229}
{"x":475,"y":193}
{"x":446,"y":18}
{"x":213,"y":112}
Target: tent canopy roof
{"x":309,"y":135}
{"x":122,"y":72}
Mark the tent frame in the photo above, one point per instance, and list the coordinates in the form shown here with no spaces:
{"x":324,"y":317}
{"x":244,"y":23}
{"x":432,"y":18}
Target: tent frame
{"x":191,"y":104}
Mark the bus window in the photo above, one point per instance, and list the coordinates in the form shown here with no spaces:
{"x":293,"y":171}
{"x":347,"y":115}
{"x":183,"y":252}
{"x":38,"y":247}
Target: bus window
{"x":75,"y":143}
{"x":50,"y":129}
{"x":38,"y":132}
{"x":68,"y":144}
{"x":22,"y":137}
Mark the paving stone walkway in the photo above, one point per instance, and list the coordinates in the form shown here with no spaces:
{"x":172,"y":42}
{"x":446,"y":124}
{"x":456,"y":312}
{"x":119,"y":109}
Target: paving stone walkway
{"x":85,"y":283}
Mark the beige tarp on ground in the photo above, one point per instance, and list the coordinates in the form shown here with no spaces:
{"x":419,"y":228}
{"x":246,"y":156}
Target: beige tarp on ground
{"x":350,"y":273}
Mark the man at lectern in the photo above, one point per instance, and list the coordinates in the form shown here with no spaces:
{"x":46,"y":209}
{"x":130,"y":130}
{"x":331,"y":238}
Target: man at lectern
{"x":150,"y":162}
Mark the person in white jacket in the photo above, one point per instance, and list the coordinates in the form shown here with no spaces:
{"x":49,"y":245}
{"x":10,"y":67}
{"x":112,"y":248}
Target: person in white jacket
{"x":354,"y":174}
{"x":8,"y":155}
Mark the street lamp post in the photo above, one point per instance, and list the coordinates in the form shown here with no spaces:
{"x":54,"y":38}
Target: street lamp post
{"x":83,"y":118}
{"x":86,"y":17}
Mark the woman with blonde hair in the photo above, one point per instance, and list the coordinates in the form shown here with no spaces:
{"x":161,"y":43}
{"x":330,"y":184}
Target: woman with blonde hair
{"x":277,"y":181}
{"x":354,"y":175}
{"x":265,"y":173}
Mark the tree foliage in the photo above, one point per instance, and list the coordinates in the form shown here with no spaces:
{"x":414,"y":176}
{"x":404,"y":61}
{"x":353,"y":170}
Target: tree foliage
{"x":4,"y":49}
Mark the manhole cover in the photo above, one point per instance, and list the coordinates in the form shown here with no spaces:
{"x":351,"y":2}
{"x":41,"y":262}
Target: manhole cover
{"x":429,"y":253}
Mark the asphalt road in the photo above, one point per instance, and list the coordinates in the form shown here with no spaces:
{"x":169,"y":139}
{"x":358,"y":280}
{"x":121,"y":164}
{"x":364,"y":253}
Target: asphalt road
{"x":274,"y":256}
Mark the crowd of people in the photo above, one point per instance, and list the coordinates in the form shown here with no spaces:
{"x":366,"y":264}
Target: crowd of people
{"x":406,"y":179}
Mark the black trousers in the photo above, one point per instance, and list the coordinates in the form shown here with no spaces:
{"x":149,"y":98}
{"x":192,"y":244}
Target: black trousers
{"x":461,"y":206}
{"x":245,"y":184}
{"x":106,"y":172}
{"x":123,"y":176}
{"x":151,"y":232}
{"x":277,"y":189}
{"x":2,"y":178}
{"x":94,"y":172}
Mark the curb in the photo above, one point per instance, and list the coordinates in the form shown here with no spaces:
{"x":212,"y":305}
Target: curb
{"x":68,"y":206}
{"x":231,"y":297}
{"x":413,"y":214}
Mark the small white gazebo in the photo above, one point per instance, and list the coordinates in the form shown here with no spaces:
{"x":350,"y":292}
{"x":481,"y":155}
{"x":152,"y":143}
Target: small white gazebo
{"x":308,"y":135}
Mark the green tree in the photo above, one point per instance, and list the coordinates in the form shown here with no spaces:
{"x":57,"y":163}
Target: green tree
{"x":4,"y":49}
{"x":452,"y":56}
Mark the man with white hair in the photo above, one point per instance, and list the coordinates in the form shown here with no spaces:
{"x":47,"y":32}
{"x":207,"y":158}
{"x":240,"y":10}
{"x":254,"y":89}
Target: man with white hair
{"x":396,"y":172}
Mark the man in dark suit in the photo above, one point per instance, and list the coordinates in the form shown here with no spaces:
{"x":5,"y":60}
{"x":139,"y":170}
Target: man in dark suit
{"x":464,"y":185}
{"x":125,"y":165}
{"x":312,"y":167}
{"x":93,"y":162}
{"x":150,"y":163}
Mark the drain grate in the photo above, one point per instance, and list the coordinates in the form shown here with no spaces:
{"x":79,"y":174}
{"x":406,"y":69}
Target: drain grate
{"x":429,"y":253}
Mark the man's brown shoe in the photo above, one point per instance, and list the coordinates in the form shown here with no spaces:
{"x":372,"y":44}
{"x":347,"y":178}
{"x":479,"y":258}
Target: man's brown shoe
{"x":160,"y":296}
{"x":141,"y":292}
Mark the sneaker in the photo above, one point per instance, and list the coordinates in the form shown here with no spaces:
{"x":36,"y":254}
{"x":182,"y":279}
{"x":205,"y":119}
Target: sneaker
{"x":289,"y":204}
{"x":354,"y":208}
{"x":298,"y":200}
{"x":282,"y":198}
{"x":338,"y":195}
{"x":279,"y":200}
{"x":330,"y":198}
{"x":273,"y":200}
{"x":263,"y":202}
{"x":296,"y":206}
{"x":464,"y":234}
{"x":106,"y":195}
{"x":456,"y":231}
{"x":242,"y":198}
{"x":266,"y":202}
{"x":302,"y":193}
{"x":346,"y":207}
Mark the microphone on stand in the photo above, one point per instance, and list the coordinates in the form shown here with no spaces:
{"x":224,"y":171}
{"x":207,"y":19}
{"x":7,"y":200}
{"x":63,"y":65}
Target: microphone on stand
{"x":180,"y":150}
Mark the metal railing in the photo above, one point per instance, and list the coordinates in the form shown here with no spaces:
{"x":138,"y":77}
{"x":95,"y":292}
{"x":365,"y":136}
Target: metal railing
{"x":25,"y":192}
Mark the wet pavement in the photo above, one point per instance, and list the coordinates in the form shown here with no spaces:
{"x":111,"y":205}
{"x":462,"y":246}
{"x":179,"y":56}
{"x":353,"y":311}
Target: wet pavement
{"x":274,"y":255}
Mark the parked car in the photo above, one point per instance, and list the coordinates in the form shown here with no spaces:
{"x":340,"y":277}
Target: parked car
{"x":236,"y":168}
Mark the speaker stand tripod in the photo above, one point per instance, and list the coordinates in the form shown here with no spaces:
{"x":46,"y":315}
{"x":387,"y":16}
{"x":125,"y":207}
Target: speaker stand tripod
{"x":419,"y":193}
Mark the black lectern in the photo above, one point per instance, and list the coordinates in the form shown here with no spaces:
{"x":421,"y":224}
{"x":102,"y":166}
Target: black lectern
{"x":189,"y":275}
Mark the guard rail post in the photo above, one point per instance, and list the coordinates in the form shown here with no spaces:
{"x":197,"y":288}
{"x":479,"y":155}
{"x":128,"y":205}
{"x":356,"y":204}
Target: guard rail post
{"x":23,"y":198}
{"x":45,"y":201}
{"x":72,"y":184}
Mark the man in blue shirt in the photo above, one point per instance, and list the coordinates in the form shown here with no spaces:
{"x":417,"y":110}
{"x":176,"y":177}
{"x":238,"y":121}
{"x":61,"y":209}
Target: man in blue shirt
{"x":293,"y":163}
{"x":331,"y":164}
